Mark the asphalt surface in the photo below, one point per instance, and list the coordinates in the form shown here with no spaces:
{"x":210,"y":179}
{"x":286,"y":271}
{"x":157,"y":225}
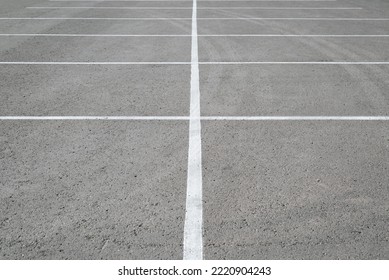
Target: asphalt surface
{"x":103,"y":189}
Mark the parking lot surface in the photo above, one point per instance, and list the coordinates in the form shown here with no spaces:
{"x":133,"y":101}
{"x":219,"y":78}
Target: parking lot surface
{"x":202,"y":129}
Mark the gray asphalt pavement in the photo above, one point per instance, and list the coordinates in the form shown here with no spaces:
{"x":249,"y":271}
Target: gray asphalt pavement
{"x":91,"y":190}
{"x":113,"y":90}
{"x":110,"y":189}
{"x":294,"y":90}
{"x":296,"y":190}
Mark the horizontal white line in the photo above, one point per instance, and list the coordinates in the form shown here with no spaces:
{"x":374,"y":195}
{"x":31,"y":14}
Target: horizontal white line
{"x":188,"y":35}
{"x":95,"y":35}
{"x":191,"y":1}
{"x":90,"y":63}
{"x":91,"y":18}
{"x":228,"y":18}
{"x":203,"y":8}
{"x":296,"y":62}
{"x":108,"y":118}
{"x":303,"y":18}
{"x":298,"y":118}
{"x":208,"y":118}
{"x":202,"y":63}
{"x":291,"y":35}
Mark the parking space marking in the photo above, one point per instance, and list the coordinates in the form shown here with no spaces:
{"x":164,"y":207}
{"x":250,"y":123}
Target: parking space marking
{"x":94,"y":35}
{"x":200,"y":63}
{"x":291,"y":35}
{"x":191,"y":1}
{"x":102,"y":118}
{"x":193,"y":227}
{"x":93,"y":18}
{"x":187,"y":35}
{"x":203,"y":8}
{"x":91,"y":63}
{"x":296,"y":62}
{"x":297,"y":118}
{"x":203,"y":118}
{"x":302,"y":18}
{"x":168,"y":18}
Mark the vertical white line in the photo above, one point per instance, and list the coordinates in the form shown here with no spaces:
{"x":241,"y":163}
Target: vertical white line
{"x":193,"y":229}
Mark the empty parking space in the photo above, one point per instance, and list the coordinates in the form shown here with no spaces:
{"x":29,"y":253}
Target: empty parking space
{"x":358,"y":9}
{"x":154,"y":13}
{"x":290,"y":27}
{"x":61,"y":26}
{"x":295,"y":190}
{"x":294,"y":90}
{"x":277,"y":4}
{"x":96,"y":49}
{"x":108,"y":90}
{"x":83,"y":12}
{"x":292,"y":49}
{"x":278,"y":13}
{"x":91,"y":190}
{"x":113,"y":4}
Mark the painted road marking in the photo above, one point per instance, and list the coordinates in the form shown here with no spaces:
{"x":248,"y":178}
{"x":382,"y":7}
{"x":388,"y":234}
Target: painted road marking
{"x":187,"y":35}
{"x":193,"y":228}
{"x":297,"y":118}
{"x":191,"y":1}
{"x":103,"y":118}
{"x":216,"y":18}
{"x":95,"y":35}
{"x":203,"y":8}
{"x":296,"y":62}
{"x":201,"y":63}
{"x":92,"y":63}
{"x":204,"y":118}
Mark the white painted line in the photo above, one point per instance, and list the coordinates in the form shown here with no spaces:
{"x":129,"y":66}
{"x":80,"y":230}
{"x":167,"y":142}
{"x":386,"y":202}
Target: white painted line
{"x":91,"y":63}
{"x":203,"y":63}
{"x":93,"y":35}
{"x":296,"y":63}
{"x":187,"y":35}
{"x":302,"y":18}
{"x":216,"y":18}
{"x":203,"y":8}
{"x":290,"y":35}
{"x":204,"y":118}
{"x":193,"y":227}
{"x":298,"y":118}
{"x":191,"y":1}
{"x":108,"y":118}
{"x":91,"y":18}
